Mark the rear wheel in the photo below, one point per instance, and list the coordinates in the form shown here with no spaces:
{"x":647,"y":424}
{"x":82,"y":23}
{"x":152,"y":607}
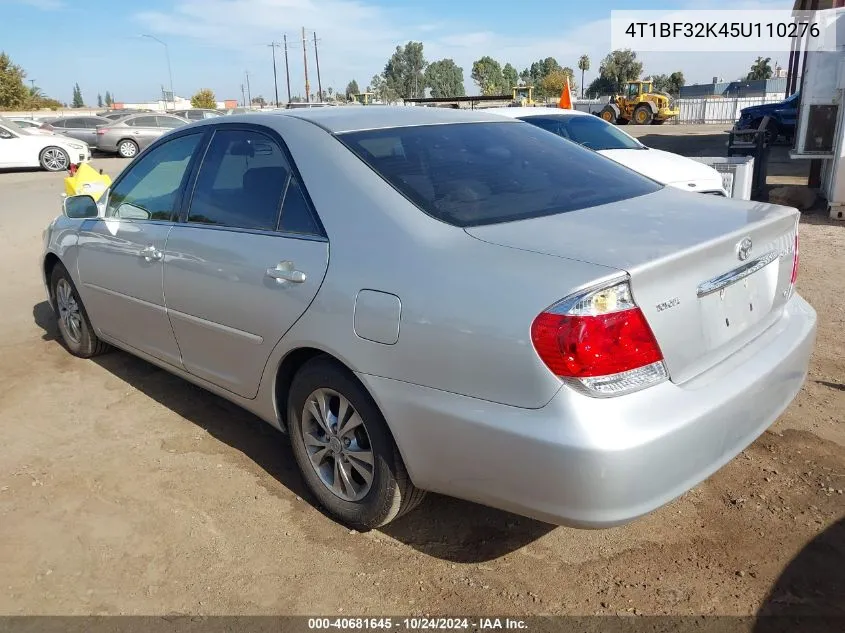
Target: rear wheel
{"x":127,"y":148}
{"x":344,"y":448}
{"x":643,"y":115}
{"x":54,"y":159}
{"x":608,"y":114}
{"x":74,"y":325}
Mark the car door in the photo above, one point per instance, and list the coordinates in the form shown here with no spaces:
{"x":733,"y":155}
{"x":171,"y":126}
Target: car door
{"x":145,"y":130}
{"x":14,"y":150}
{"x":121,"y":255}
{"x":246,"y":262}
{"x":87,"y":130}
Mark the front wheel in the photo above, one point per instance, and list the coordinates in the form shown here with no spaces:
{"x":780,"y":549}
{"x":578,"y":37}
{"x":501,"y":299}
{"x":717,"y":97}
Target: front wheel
{"x":608,"y":114}
{"x":127,"y":148}
{"x":74,"y":325}
{"x":54,"y":159}
{"x":344,"y":448}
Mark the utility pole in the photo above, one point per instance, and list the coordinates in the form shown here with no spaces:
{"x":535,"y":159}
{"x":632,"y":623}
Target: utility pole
{"x":317,"y":58}
{"x":169,"y":71}
{"x":243,"y":95}
{"x":287,"y":69}
{"x":275,"y":79}
{"x":305,"y":61}
{"x":248,"y":91}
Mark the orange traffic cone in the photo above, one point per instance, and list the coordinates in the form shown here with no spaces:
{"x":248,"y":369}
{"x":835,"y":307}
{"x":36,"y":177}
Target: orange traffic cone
{"x":565,"y":96}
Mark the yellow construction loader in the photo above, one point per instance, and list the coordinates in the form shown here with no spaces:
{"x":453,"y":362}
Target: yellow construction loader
{"x":640,"y":104}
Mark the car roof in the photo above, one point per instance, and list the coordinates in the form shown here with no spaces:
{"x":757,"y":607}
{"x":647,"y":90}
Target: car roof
{"x":529,"y":111}
{"x":375,"y":117}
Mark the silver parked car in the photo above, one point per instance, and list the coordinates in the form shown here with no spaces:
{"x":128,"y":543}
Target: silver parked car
{"x":82,"y":128}
{"x":127,"y":136}
{"x":428,"y":299}
{"x":197,"y":114}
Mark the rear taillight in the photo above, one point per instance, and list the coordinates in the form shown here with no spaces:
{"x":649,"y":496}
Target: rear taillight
{"x":102,"y":130}
{"x":599,"y":340}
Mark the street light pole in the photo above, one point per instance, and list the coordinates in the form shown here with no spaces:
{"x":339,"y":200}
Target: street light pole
{"x":169,"y":71}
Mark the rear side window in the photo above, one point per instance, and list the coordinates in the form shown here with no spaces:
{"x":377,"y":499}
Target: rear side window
{"x":143,"y":121}
{"x":241,"y":182}
{"x":59,"y":123}
{"x":469,"y":174}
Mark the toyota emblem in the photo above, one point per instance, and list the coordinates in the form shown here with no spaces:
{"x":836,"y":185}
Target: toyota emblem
{"x":743,"y":249}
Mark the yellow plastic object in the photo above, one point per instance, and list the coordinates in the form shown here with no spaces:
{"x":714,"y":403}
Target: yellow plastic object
{"x":87,"y":180}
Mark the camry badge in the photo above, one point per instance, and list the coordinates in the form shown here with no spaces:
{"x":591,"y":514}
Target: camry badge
{"x":743,"y":249}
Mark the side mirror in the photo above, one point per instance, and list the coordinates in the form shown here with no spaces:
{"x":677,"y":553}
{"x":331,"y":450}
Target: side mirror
{"x":80,"y":207}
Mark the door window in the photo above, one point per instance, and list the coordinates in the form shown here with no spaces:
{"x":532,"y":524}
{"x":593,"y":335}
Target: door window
{"x":241,"y":182}
{"x":169,"y":122}
{"x":143,"y":121}
{"x":6,"y":134}
{"x":149,"y":190}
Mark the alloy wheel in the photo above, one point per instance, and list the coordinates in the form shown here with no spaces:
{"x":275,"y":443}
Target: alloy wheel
{"x":69,"y":312}
{"x":337,"y":444}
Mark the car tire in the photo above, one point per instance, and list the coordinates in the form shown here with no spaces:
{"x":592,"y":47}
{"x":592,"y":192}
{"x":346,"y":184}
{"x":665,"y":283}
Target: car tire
{"x":355,"y":472}
{"x":127,"y":148}
{"x":643,"y":115}
{"x":74,"y":324}
{"x":54,"y":158}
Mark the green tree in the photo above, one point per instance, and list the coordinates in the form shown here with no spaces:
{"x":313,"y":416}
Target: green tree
{"x":445,"y":78}
{"x":204,"y":99}
{"x":382,"y":90}
{"x":108,"y":100}
{"x":601,"y":86}
{"x":671,"y":84}
{"x":78,"y":101}
{"x":760,"y":69}
{"x":552,"y":84}
{"x":352,"y":89}
{"x":510,"y":76}
{"x":404,"y":71}
{"x":583,"y":66}
{"x":13,"y":93}
{"x":620,"y":67}
{"x":487,"y":73}
{"x":537,"y":73}
{"x":99,"y":100}
{"x":259,"y":101}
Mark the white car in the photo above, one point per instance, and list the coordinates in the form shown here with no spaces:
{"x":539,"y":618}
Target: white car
{"x":608,"y":140}
{"x":30,"y":125}
{"x":21,"y":148}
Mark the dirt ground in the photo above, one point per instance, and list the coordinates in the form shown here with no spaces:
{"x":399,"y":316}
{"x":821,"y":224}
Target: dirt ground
{"x":124,"y":490}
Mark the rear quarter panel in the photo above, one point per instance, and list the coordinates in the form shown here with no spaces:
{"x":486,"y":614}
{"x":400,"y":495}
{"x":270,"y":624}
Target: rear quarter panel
{"x":466,"y":306}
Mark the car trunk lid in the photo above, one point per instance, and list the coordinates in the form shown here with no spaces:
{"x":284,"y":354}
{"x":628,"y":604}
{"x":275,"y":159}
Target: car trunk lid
{"x":709,"y":274}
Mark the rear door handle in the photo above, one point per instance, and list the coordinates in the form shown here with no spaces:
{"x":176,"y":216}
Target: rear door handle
{"x":151,"y":254}
{"x":285,"y":271}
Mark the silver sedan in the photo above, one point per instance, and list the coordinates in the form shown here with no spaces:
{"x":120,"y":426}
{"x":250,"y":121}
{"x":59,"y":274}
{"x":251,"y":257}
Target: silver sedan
{"x":426,"y":299}
{"x":129,"y":135}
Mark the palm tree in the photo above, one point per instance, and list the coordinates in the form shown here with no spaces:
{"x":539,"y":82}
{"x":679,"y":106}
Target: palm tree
{"x":583,"y":64}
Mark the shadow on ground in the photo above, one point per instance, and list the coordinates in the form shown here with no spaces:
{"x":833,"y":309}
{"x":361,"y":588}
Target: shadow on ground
{"x":810,"y":593}
{"x":441,"y":527}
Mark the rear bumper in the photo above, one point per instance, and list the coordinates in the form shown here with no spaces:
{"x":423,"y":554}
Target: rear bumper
{"x":590,"y":462}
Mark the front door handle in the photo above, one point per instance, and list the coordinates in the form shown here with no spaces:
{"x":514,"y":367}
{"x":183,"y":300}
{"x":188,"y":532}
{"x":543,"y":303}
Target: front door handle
{"x":285,"y":271}
{"x":151,"y":254}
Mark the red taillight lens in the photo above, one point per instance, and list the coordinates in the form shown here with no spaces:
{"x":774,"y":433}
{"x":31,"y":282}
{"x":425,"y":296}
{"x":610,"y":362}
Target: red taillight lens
{"x":589,"y":346}
{"x":102,"y":130}
{"x":795,"y":258}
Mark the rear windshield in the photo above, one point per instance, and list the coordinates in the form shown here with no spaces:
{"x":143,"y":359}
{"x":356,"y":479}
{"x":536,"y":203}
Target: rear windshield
{"x":589,"y":131}
{"x":469,"y":174}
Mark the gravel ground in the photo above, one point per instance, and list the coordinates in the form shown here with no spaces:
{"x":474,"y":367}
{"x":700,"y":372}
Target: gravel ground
{"x":124,"y":490}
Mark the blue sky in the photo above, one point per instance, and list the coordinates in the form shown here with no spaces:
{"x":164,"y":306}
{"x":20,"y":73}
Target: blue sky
{"x":212,"y":43}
